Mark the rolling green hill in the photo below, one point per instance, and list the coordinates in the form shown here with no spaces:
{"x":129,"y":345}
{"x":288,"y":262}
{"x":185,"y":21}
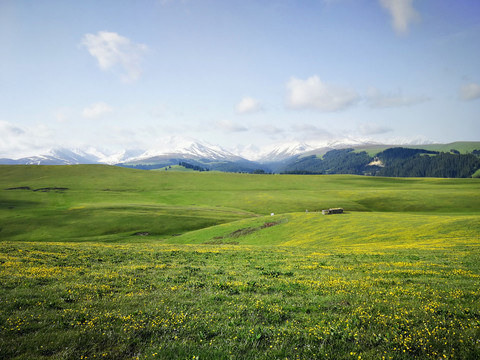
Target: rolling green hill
{"x":92,"y":202}
{"x":115,"y":263}
{"x":463,"y":147}
{"x":346,"y":232}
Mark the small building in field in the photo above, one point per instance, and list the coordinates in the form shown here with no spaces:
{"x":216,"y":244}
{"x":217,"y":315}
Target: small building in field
{"x":332,"y":211}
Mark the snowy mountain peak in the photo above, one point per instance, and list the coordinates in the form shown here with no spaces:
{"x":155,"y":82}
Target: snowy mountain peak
{"x":182,"y":146}
{"x":116,"y":157}
{"x":279,"y":152}
{"x":60,"y":156}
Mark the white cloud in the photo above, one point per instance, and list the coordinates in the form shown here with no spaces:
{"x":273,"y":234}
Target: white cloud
{"x":17,"y":142}
{"x":229,"y":126}
{"x":312,"y":93}
{"x":96,"y":110}
{"x":248,"y":105}
{"x":373,"y":129}
{"x":311,"y":132}
{"x":114,"y":52}
{"x":310,"y":129}
{"x":376,"y":99}
{"x":8,"y":129}
{"x":269,"y":129}
{"x":62,"y":115}
{"x":402,"y":13}
{"x":470,"y":92}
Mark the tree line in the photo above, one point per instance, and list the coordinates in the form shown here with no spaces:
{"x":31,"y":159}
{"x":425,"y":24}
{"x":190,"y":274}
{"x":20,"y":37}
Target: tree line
{"x":344,"y":161}
{"x":191,"y":166}
{"x":445,"y":165}
{"x":394,"y":162}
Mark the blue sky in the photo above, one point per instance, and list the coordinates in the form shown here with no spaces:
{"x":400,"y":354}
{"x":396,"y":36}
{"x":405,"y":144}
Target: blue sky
{"x":127,"y":74}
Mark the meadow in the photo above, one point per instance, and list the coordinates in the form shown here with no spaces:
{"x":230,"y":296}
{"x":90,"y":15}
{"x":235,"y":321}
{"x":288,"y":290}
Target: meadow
{"x":104,"y":262}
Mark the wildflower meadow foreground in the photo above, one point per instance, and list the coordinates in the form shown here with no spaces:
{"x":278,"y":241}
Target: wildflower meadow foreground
{"x":100,"y":262}
{"x":84,"y":301}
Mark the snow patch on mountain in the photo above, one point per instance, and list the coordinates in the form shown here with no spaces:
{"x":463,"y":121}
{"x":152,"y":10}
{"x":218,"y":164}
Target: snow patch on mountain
{"x":282,"y":151}
{"x":112,"y":158}
{"x":60,"y":156}
{"x":285,"y":150}
{"x":186,"y":147}
{"x":421,"y":140}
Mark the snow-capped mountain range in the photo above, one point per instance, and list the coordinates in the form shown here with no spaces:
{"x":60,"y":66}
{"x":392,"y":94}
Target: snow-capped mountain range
{"x":182,"y":148}
{"x":191,"y":148}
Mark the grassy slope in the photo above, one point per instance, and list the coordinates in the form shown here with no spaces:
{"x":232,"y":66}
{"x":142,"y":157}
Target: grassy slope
{"x":110,"y":203}
{"x":174,"y":168}
{"x":463,"y":147}
{"x":148,"y":301}
{"x":395,"y":277}
{"x":350,"y":231}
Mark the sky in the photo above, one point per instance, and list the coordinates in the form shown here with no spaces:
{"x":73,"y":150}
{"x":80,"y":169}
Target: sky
{"x":243,"y":74}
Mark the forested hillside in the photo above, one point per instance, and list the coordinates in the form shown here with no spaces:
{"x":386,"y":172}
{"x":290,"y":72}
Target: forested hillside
{"x":344,"y":161}
{"x":398,"y":162}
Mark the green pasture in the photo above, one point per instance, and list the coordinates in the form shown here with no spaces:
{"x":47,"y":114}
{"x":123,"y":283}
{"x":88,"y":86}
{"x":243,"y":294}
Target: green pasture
{"x":114,"y":263}
{"x":464,"y":147}
{"x":174,"y":168}
{"x":349,"y":231}
{"x":100,"y":203}
{"x":148,"y":301}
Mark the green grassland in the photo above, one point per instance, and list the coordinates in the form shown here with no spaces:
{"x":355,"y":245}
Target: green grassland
{"x":464,"y":147}
{"x":115,"y":263}
{"x":174,"y":168}
{"x":90,"y":202}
